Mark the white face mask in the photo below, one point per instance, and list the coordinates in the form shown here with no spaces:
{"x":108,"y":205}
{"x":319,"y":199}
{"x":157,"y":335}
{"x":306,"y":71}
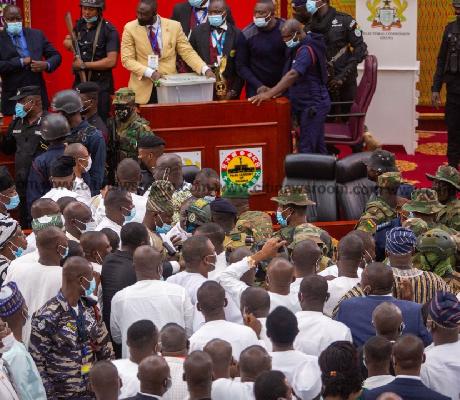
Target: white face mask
{"x":88,"y":166}
{"x":8,"y":343}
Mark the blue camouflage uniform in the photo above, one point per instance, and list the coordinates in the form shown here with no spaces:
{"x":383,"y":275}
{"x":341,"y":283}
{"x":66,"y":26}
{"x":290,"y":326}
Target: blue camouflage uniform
{"x":65,"y":345}
{"x":309,"y":96}
{"x":93,"y":140}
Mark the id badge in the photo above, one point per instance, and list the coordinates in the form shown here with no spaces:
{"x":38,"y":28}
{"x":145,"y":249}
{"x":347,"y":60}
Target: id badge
{"x":153,"y":61}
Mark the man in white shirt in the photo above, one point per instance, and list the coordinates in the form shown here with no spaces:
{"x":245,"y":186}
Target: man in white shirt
{"x":40,"y":281}
{"x":377,"y":359}
{"x":280,"y":275}
{"x":441,"y":369}
{"x":282,"y":329}
{"x":316,"y":330}
{"x":78,"y":219}
{"x":174,"y":349}
{"x":220,"y":352}
{"x":211,"y":302}
{"x":142,"y":340}
{"x":119,"y":209}
{"x":306,"y":256}
{"x":150,"y":298}
{"x":83,"y":164}
{"x":254,"y":360}
{"x":350,"y":255}
{"x":216,"y":235}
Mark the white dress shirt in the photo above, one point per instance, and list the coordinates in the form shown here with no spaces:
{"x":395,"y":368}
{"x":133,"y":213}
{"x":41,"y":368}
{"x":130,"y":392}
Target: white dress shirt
{"x":377,"y":381}
{"x":239,"y":336}
{"x":58,"y":193}
{"x":295,"y":286}
{"x":230,"y":280}
{"x":139,"y":202}
{"x":108,"y":223}
{"x":38,"y":283}
{"x":7,"y":391}
{"x":178,"y":390}
{"x":337,"y":288}
{"x":221,"y":265}
{"x":82,"y":189}
{"x":290,"y":301}
{"x":333,"y":270}
{"x":267,"y":343}
{"x":156,"y":28}
{"x":232,"y":389}
{"x":127,"y":371}
{"x":441,"y":369}
{"x":158,"y":301}
{"x":317,"y":331}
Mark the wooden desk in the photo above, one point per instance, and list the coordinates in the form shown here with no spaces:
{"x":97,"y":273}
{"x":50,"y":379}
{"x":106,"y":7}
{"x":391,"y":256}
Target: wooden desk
{"x":209,"y":128}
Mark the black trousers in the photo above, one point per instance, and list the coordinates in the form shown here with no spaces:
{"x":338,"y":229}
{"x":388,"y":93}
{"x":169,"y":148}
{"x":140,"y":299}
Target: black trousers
{"x":153,"y":96}
{"x":453,"y":128}
{"x":103,"y":105}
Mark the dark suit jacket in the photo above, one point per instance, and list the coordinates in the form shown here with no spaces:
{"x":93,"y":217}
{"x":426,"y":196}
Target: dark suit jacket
{"x":408,"y":389}
{"x":140,"y":396}
{"x":14,"y":75}
{"x":182,"y":13}
{"x":356,"y":313}
{"x":200,"y":41}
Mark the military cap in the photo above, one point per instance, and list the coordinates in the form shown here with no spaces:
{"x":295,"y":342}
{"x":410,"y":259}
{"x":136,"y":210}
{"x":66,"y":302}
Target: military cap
{"x":389,"y":180}
{"x":423,"y":201}
{"x":296,"y":195}
{"x":25,"y":92}
{"x":124,"y":96}
{"x":8,"y":227}
{"x":255,"y":223}
{"x":223,"y":206}
{"x":416,"y":225}
{"x":160,"y":197}
{"x":87,"y":87}
{"x":445,"y":309}
{"x":150,"y":141}
{"x":382,"y":161}
{"x":235,"y":192}
{"x":6,"y":180}
{"x":63,"y":166}
{"x":199,"y":212}
{"x":448,"y":174}
{"x":11,"y":300}
{"x":45,"y":221}
{"x":307,"y":231}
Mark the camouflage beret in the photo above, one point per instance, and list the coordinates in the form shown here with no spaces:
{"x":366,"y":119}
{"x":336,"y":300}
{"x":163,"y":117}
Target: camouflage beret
{"x":199,"y":212}
{"x":296,"y":195}
{"x":124,"y":96}
{"x":389,"y":180}
{"x":423,"y":201}
{"x":448,"y":174}
{"x":160,"y":197}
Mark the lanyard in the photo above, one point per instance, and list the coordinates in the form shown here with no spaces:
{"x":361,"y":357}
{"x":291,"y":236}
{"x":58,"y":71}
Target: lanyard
{"x":219,"y":42}
{"x":199,"y":21}
{"x":154,"y":39}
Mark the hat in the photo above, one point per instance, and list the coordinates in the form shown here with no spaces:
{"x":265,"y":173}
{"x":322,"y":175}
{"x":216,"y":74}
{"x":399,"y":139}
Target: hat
{"x":448,"y":174}
{"x":382,"y":161}
{"x":400,"y":241}
{"x":445,"y":310}
{"x":8,"y":228}
{"x":124,"y":96}
{"x":6,"y":181}
{"x":43,"y":222}
{"x":235,"y":192}
{"x":87,"y":87}
{"x":160,"y":197}
{"x":199,"y":212}
{"x":11,"y":300}
{"x":256,"y":223}
{"x":423,"y":201}
{"x":150,"y":141}
{"x":296,"y":195}
{"x":62,"y":167}
{"x":223,"y":206}
{"x":416,"y":225}
{"x":389,"y":180}
{"x":306,"y":231}
{"x":26,"y":91}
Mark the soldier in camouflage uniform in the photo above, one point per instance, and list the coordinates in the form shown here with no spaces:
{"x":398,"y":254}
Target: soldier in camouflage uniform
{"x":416,"y":225}
{"x":129,"y":125}
{"x":198,"y":213}
{"x":424,"y":204}
{"x":69,"y":335}
{"x":446,"y":183}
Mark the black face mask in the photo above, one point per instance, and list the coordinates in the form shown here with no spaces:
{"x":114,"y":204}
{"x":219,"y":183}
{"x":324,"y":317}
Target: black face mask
{"x":122,"y":113}
{"x":151,"y":21}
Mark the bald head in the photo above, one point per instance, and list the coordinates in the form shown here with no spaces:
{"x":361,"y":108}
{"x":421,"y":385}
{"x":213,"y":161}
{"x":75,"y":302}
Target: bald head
{"x":280,"y":274}
{"x":43,"y":207}
{"x":76,"y":150}
{"x":169,"y":160}
{"x":153,"y":375}
{"x":77,"y":210}
{"x":253,"y":361}
{"x":48,"y":238}
{"x":377,"y":279}
{"x":220,"y":352}
{"x":211,"y":298}
{"x":198,"y":371}
{"x":290,"y":27}
{"x":147,"y":263}
{"x":129,"y":174}
{"x":256,"y":301}
{"x":313,"y":291}
{"x":387,"y":319}
{"x":173,"y":339}
{"x":238,"y":254}
{"x":75,"y":267}
{"x":95,"y":245}
{"x":351,"y":248}
{"x":305,"y":257}
{"x":408,"y":355}
{"x":104,"y":380}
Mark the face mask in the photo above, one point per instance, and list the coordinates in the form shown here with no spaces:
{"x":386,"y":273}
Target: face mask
{"x":101,"y":260}
{"x":190,"y":228}
{"x":18,"y":252}
{"x":122,"y":114}
{"x":66,"y":252}
{"x":209,"y":199}
{"x":213,"y":265}
{"x":311,"y":6}
{"x":262,"y":22}
{"x":90,"y":226}
{"x":91,"y":19}
{"x":13,"y":203}
{"x":292,"y":43}
{"x":130,"y":216}
{"x":19,"y":111}
{"x":86,"y":107}
{"x":92,"y":286}
{"x":163,"y":229}
{"x":14,"y":28}
{"x":280,"y":218}
{"x":89,"y":163}
{"x":216,"y":20}
{"x":195,"y":3}
{"x":8,"y":343}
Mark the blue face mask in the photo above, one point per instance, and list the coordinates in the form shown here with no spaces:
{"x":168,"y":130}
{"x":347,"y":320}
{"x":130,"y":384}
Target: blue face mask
{"x":216,"y":20}
{"x":66,"y":252}
{"x":18,"y":252}
{"x":90,"y":20}
{"x":19,"y":111}
{"x":13,"y":203}
{"x":262,"y":22}
{"x":209,"y":199}
{"x":163,"y":229}
{"x":195,"y":3}
{"x":311,"y":6}
{"x":190,"y":228}
{"x":92,"y":286}
{"x":292,"y":43}
{"x":280,"y":218}
{"x":14,"y":28}
{"x":130,"y":216}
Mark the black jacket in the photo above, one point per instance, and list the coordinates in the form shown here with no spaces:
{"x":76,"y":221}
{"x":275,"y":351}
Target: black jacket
{"x":14,"y":75}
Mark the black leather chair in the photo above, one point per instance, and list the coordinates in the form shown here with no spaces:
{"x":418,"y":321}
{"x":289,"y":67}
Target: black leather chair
{"x":189,"y":172}
{"x":317,"y":173}
{"x":353,"y":186}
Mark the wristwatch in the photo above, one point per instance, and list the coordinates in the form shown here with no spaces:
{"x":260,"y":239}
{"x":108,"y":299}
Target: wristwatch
{"x":83,"y":66}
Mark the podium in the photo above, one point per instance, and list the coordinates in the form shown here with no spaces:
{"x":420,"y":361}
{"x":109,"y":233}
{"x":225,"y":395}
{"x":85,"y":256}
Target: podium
{"x":246,"y":144}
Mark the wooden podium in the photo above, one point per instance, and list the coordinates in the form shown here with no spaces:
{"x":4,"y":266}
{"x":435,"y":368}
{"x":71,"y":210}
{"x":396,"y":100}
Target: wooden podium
{"x":217,"y":128}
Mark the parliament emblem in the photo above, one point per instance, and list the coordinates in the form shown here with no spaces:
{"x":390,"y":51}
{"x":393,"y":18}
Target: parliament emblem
{"x":388,"y":15}
{"x":241,"y":167}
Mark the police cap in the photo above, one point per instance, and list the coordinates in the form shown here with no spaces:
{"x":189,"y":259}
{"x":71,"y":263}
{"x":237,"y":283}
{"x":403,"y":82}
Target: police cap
{"x":87,"y":87}
{"x":25,"y":92}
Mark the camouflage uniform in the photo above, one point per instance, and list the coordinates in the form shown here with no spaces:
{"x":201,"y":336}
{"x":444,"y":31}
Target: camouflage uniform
{"x":416,"y":225}
{"x":379,"y":212}
{"x":130,"y":131}
{"x":63,"y":355}
{"x":450,"y":215}
{"x":424,"y":201}
{"x":198,"y":213}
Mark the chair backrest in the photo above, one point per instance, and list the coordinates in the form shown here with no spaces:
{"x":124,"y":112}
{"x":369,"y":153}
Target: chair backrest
{"x":364,"y":95}
{"x":317,"y":173}
{"x":189,"y":172}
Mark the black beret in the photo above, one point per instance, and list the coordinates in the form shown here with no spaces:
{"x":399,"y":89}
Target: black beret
{"x":87,"y":87}
{"x":223,"y":206}
{"x":62,"y":167}
{"x":150,"y":141}
{"x":6,"y":181}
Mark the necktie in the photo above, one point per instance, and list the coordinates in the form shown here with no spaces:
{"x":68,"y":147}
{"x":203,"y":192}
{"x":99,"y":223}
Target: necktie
{"x":17,"y":45}
{"x":154,"y":40}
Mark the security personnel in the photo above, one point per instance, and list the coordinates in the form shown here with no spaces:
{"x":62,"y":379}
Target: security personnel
{"x":149,"y":149}
{"x":99,"y":44}
{"x":55,"y":129}
{"x":69,"y":104}
{"x":448,"y":72}
{"x":24,"y":139}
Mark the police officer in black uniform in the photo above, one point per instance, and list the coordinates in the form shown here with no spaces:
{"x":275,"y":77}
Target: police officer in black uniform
{"x":448,"y":71}
{"x":24,"y":140}
{"x":99,"y":45}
